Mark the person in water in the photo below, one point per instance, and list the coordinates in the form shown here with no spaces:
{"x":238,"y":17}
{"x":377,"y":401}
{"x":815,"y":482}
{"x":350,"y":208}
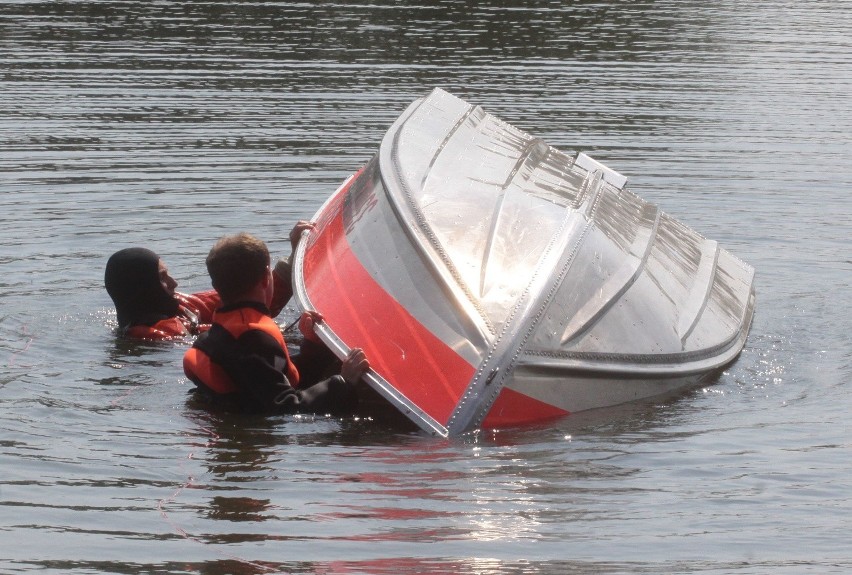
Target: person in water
{"x":148,"y":307}
{"x":242,"y":362}
{"x":146,"y":303}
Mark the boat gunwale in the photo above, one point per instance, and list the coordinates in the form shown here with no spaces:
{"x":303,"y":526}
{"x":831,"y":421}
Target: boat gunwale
{"x":336,"y":343}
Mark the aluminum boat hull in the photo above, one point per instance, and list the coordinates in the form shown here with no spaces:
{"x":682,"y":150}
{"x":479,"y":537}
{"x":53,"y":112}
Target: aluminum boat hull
{"x":496,"y":281}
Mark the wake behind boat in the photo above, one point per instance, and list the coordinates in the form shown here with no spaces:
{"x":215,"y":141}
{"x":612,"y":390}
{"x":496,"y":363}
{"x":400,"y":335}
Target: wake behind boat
{"x":494,"y":281}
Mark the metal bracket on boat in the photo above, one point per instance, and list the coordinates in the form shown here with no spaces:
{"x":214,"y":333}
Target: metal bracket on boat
{"x":503,"y":355}
{"x":491,"y":376}
{"x":591,"y":165}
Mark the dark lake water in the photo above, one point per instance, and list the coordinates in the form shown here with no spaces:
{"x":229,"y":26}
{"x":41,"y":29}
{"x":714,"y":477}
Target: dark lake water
{"x":168,"y":124}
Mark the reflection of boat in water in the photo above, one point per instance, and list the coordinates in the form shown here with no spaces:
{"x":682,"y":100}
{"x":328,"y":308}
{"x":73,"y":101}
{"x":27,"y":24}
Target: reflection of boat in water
{"x":493,"y":280}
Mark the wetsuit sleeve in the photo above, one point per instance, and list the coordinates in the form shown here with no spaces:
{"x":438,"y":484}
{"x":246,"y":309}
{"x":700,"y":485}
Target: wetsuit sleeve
{"x":314,"y":362}
{"x":333,"y":396}
{"x":282,"y":286}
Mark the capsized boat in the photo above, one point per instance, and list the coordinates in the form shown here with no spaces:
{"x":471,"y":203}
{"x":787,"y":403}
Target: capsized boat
{"x":495,"y":281}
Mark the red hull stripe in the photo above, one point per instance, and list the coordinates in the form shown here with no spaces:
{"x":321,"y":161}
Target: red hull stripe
{"x":362,"y":314}
{"x":514,"y":408}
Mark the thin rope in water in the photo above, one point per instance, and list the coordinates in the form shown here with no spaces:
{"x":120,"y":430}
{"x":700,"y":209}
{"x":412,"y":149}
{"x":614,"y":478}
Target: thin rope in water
{"x":161,"y":504}
{"x":14,"y":357}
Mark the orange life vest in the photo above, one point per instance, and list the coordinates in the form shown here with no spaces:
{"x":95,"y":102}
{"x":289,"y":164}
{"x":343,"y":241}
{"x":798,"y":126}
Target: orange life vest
{"x":207,"y":363}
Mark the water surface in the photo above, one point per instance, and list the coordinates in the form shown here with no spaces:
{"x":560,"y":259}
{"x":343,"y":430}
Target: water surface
{"x":168,"y":124}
